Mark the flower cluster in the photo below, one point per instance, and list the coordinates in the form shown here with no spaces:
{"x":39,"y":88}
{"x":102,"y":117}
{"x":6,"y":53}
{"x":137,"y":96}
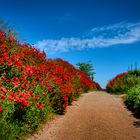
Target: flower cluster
{"x":31,"y":84}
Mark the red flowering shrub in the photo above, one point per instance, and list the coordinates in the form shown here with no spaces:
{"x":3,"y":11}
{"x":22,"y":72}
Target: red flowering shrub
{"x":84,"y":81}
{"x":117,"y":83}
{"x":32,"y":87}
{"x":98,"y":87}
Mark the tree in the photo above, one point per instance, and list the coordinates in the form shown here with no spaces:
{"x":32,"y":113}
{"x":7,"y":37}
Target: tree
{"x":87,"y":68}
{"x":10,"y":30}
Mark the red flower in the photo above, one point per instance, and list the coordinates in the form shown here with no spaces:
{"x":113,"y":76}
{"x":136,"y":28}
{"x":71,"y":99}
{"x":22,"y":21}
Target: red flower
{"x":3,"y":89}
{"x":47,"y":86}
{"x":65,"y":97}
{"x":3,"y":78}
{"x":37,"y":105}
{"x":20,"y":107}
{"x":31,"y":94}
{"x":41,"y":106}
{"x":1,"y":109}
{"x":10,"y":98}
{"x":23,"y":86}
{"x":32,"y":85}
{"x":0,"y":83}
{"x":37,"y":96}
{"x":15,"y":81}
{"x":44,"y":93}
{"x":1,"y":33}
{"x":2,"y":96}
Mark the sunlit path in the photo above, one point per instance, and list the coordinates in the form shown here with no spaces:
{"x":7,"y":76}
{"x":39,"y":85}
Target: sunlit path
{"x":95,"y":116}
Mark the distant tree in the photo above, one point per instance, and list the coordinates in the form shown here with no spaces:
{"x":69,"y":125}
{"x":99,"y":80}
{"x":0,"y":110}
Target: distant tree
{"x":9,"y":30}
{"x":87,"y":68}
{"x":134,"y":70}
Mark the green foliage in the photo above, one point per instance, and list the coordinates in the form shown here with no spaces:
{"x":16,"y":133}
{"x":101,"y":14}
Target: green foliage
{"x":128,"y":83}
{"x":123,"y":82}
{"x":135,"y":72}
{"x":8,"y":29}
{"x":87,"y":68}
{"x":16,"y":123}
{"x":132,"y":99}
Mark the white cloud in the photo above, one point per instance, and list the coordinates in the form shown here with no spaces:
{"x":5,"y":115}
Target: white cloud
{"x":100,"y":37}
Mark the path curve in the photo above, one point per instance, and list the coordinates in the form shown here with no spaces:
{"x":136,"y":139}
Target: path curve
{"x":95,"y":116}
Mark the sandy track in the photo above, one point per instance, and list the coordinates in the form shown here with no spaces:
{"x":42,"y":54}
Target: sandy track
{"x":95,"y":116}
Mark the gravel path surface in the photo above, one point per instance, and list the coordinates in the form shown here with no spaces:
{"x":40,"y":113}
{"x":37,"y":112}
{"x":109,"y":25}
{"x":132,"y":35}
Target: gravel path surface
{"x":95,"y":116}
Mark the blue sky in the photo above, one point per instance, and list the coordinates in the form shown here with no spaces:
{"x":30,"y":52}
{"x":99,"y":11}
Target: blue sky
{"x":107,"y":32}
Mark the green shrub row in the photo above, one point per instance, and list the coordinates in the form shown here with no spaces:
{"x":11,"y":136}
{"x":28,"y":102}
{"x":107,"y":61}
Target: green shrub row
{"x":132,"y":99}
{"x":122,"y":83}
{"x":129,"y":84}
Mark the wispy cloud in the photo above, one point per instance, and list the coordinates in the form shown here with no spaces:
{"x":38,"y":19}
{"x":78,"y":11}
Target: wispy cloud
{"x":100,"y":37}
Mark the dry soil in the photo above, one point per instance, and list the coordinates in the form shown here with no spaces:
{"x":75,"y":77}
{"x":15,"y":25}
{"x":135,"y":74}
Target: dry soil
{"x":95,"y":116}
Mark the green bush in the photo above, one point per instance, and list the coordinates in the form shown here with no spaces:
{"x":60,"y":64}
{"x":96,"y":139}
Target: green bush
{"x":122,"y":83}
{"x":17,"y":121}
{"x":132,"y":99}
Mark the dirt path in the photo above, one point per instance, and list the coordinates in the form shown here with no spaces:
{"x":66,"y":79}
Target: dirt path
{"x":95,"y":116}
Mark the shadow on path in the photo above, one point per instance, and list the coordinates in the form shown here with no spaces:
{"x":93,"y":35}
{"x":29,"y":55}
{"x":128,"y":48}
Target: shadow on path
{"x":137,"y":122}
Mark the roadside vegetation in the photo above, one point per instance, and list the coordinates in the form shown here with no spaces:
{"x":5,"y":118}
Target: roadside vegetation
{"x":127,"y":83}
{"x":33,"y":87}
